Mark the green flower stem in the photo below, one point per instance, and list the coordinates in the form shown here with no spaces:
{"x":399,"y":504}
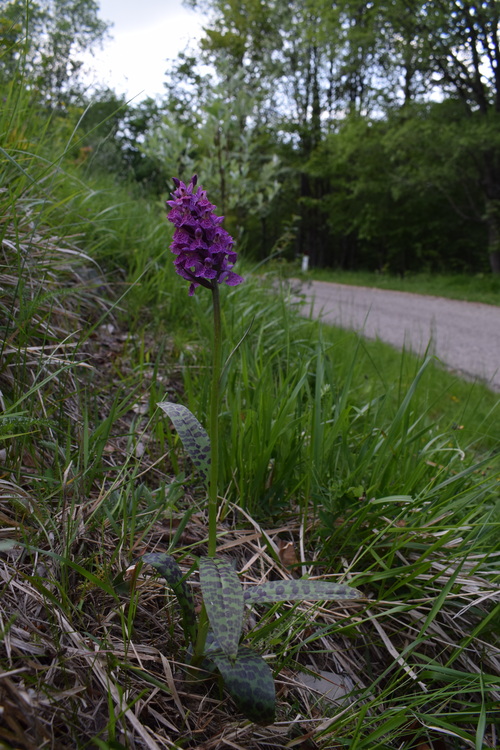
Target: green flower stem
{"x":214,"y":425}
{"x":199,"y":646}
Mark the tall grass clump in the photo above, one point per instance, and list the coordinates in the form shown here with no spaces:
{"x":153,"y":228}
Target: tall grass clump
{"x":329,"y":411}
{"x":74,"y":400}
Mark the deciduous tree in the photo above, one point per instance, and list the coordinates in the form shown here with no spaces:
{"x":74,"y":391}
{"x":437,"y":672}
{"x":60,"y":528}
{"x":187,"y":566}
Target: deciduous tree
{"x":44,"y":40}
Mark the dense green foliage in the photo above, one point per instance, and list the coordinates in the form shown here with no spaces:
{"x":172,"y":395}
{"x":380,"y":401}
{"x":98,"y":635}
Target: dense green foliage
{"x":365,"y":136}
{"x":385,"y":118}
{"x":42,"y":41}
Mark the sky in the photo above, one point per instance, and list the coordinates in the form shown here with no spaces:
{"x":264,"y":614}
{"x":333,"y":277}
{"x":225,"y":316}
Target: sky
{"x":145,"y":34}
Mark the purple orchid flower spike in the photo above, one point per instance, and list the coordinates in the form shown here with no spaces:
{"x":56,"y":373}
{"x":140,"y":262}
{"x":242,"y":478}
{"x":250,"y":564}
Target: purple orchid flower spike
{"x":204,"y":249}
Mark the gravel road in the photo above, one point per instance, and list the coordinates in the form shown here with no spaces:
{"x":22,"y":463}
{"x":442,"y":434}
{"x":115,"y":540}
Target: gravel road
{"x":465,"y":336}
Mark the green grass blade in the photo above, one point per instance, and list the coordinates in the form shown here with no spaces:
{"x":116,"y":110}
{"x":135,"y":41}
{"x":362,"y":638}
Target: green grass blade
{"x":481,"y":724}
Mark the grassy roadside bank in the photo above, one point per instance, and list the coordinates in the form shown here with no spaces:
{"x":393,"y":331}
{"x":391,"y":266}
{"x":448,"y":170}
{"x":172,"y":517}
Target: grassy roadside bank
{"x":337,"y":449}
{"x":340,"y":458}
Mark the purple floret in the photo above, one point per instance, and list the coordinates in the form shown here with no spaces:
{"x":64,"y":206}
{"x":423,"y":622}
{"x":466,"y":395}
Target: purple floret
{"x":204,"y":249}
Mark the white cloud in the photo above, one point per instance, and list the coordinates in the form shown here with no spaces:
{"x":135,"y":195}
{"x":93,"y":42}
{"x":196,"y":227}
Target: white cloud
{"x":145,"y":35}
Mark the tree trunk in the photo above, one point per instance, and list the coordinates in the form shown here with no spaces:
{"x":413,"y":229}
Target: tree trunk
{"x":493,"y":222}
{"x":495,"y":261}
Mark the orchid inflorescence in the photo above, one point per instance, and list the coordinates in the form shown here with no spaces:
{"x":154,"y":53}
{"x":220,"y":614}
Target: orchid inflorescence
{"x":204,"y":249}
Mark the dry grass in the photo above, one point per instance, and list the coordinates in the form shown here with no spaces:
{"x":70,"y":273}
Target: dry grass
{"x":75,"y":667}
{"x":52,"y":295}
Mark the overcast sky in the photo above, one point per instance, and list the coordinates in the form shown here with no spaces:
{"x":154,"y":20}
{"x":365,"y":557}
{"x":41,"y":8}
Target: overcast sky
{"x":146,"y":33}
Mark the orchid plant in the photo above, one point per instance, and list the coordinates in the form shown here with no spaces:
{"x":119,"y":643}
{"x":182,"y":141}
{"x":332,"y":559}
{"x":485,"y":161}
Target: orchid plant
{"x":205,"y":257}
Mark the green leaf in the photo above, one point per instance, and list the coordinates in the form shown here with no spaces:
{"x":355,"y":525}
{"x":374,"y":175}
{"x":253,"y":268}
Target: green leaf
{"x":223,"y":598}
{"x":170,"y":570}
{"x":6,"y":545}
{"x":193,"y":435}
{"x":298,"y":590}
{"x":248,"y":680}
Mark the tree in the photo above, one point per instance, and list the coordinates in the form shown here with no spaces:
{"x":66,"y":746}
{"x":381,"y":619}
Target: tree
{"x":329,"y":75}
{"x":274,"y":50}
{"x":44,"y":40}
{"x":459,"y":55}
{"x":226,"y":144}
{"x":402,"y":192}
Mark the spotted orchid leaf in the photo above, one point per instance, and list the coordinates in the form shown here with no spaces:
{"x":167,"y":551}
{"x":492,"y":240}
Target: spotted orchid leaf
{"x":167,"y":566}
{"x":248,"y":680}
{"x":223,"y":599}
{"x":193,"y":435}
{"x":298,"y":590}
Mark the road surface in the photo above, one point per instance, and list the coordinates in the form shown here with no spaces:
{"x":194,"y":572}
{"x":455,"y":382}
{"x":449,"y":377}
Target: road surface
{"x":464,"y":336}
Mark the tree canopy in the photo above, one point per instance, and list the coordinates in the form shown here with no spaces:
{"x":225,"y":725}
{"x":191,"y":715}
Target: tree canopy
{"x":365,"y":135}
{"x":43,"y":41}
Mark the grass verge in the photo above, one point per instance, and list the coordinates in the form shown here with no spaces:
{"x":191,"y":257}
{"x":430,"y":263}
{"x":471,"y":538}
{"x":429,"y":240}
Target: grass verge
{"x":341,"y":458}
